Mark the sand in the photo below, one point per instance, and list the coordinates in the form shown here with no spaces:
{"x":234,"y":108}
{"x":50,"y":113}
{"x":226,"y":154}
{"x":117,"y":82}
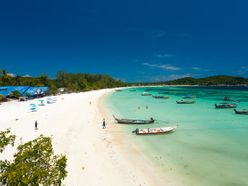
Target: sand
{"x":95,"y":156}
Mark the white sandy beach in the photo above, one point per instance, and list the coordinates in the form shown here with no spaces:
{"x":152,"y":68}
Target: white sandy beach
{"x":95,"y":156}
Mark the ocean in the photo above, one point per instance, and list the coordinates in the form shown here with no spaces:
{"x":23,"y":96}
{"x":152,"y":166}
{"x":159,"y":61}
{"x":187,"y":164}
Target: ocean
{"x":209,"y":147}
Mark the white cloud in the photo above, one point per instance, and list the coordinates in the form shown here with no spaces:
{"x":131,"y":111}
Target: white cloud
{"x":196,"y":68}
{"x":201,"y":69}
{"x":163,"y":55}
{"x":243,"y":70}
{"x":163,"y":67}
{"x":11,"y":75}
{"x":166,"y":77}
{"x":27,"y":75}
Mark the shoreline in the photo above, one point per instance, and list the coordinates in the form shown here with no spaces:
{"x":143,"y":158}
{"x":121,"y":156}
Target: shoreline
{"x":143,"y":168}
{"x":95,"y":156}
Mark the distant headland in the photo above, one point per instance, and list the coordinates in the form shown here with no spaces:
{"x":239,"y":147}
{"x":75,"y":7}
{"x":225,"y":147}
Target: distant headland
{"x":77,"y":82}
{"x":220,"y":80}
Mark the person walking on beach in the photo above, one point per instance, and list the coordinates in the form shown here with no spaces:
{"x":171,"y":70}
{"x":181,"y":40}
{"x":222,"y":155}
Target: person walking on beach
{"x":36,"y":125}
{"x":103,"y":124}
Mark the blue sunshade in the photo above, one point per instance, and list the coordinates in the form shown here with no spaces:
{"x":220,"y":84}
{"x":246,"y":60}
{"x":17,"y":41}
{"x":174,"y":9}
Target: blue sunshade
{"x":32,"y":91}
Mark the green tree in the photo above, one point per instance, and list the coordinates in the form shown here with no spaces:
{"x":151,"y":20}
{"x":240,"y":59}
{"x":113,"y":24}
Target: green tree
{"x":6,"y":139}
{"x":1,"y":98}
{"x":27,"y":94}
{"x":5,"y":77}
{"x":17,"y":81}
{"x":15,"y":94}
{"x":34,"y":163}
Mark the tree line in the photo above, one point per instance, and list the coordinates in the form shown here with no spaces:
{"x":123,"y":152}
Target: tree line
{"x":207,"y":81}
{"x":71,"y":82}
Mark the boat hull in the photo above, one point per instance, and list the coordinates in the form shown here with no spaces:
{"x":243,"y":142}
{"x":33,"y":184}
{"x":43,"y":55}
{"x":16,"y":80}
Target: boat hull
{"x":245,"y":112}
{"x":133,"y":121}
{"x":157,"y":133}
{"x":226,"y":106}
{"x":154,"y":131}
{"x":185,"y":102}
{"x":161,"y":97}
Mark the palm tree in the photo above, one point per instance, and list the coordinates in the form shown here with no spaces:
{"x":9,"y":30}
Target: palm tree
{"x":5,"y":77}
{"x":18,"y":80}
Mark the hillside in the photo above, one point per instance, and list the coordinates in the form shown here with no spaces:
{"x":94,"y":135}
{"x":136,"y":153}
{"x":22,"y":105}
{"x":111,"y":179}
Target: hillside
{"x":208,"y":81}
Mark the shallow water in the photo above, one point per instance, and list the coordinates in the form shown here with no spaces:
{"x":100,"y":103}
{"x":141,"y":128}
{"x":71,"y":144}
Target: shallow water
{"x":209,"y":147}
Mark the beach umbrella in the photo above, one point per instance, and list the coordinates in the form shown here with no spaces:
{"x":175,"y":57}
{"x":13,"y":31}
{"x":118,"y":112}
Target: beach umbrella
{"x":50,"y":101}
{"x":33,"y":105}
{"x":33,"y":109}
{"x":41,"y":102}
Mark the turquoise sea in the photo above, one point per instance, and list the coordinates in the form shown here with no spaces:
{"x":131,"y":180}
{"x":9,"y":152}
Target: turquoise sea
{"x":209,"y":147}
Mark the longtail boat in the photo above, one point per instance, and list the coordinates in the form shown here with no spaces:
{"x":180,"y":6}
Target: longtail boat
{"x":134,"y":121}
{"x":161,"y":97}
{"x":185,"y":102}
{"x":150,"y":131}
{"x":244,"y":112}
{"x":146,"y":94}
{"x":225,"y":105}
{"x":229,"y":99}
{"x":189,"y":97}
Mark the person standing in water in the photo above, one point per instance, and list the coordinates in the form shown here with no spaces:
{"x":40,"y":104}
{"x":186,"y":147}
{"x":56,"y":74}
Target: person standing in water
{"x":103,"y":124}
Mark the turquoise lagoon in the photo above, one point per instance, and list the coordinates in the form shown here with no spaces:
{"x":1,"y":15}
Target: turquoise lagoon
{"x":209,"y":147}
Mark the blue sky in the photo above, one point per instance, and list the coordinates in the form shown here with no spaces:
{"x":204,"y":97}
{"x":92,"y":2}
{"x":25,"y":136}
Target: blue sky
{"x":130,"y":40}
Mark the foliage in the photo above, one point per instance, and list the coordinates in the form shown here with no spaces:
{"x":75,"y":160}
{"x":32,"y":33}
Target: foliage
{"x":1,"y":98}
{"x":15,"y":94}
{"x":71,"y":82}
{"x":212,"y":80}
{"x":6,"y":139}
{"x":27,"y":94}
{"x":33,"y":164}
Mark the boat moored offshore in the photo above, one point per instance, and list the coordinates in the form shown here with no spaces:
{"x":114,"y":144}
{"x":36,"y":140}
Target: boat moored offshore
{"x":150,"y":131}
{"x":225,"y":105}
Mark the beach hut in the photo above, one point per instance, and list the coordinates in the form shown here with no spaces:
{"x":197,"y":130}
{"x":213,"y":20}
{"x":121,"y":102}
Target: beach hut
{"x":37,"y":92}
{"x":34,"y":92}
{"x":61,"y":90}
{"x":7,"y":90}
{"x":50,"y":101}
{"x":23,"y":98}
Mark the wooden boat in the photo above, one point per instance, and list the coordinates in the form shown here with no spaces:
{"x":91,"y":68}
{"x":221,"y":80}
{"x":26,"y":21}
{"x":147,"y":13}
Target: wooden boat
{"x":161,"y":97}
{"x":229,"y":99}
{"x":134,"y":121}
{"x":244,"y":112}
{"x":225,"y":105}
{"x":189,"y":97}
{"x":150,"y":131}
{"x":118,"y":90}
{"x":185,"y":102}
{"x":146,"y":94}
